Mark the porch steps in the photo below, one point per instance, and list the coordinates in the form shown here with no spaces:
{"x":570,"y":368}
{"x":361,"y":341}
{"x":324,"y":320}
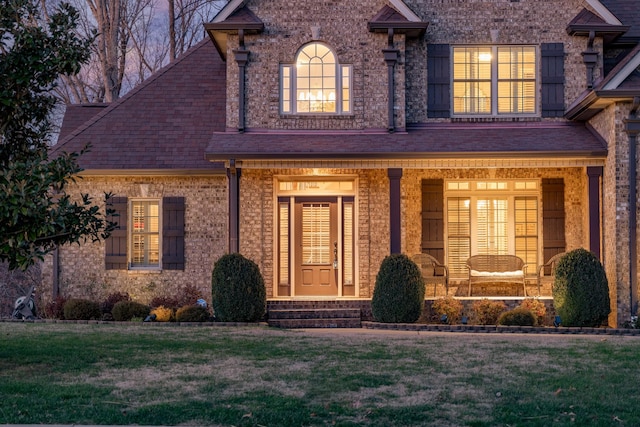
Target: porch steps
{"x":299,"y":316}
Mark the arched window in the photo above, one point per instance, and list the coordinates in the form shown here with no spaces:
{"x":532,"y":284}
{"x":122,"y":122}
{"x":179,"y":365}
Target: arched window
{"x":316,"y":83}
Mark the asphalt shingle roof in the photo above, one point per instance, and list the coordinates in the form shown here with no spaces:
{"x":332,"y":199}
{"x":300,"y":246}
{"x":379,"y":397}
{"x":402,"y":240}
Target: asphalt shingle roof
{"x":165,"y":123}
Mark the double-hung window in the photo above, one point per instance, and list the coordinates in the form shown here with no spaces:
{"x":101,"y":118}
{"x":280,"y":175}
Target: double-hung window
{"x":316,"y":83}
{"x":491,"y":217}
{"x":494,"y":80}
{"x":145,"y":233}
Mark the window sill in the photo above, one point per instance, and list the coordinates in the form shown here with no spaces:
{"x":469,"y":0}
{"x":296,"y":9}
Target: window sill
{"x":144,"y":270}
{"x":325,"y":116}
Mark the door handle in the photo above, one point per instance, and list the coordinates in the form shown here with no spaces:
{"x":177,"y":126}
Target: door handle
{"x":335,"y":255}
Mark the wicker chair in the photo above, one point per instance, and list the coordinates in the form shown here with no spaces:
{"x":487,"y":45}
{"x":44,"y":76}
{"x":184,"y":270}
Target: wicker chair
{"x":551,"y":266}
{"x":432,"y":271}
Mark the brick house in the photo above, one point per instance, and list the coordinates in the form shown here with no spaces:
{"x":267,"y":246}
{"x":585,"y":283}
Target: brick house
{"x":317,"y":137}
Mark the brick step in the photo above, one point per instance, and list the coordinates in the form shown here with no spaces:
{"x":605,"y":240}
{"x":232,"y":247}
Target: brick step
{"x":316,"y":323}
{"x":293,"y":305}
{"x":318,"y":313}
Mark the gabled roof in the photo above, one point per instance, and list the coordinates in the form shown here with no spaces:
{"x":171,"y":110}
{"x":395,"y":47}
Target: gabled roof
{"x":526,"y":140}
{"x":389,"y":18}
{"x":241,"y":19}
{"x":621,"y":84}
{"x":163,"y":125}
{"x":586,"y":22}
{"x":77,"y":114}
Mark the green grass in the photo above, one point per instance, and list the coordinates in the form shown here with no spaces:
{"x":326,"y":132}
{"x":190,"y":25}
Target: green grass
{"x":141,"y":374}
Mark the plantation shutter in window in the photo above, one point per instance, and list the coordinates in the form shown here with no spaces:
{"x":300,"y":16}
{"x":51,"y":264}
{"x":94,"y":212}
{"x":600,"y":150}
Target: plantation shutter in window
{"x":433,"y":218}
{"x":173,"y":233}
{"x":553,"y":217}
{"x":552,"y":79}
{"x":116,"y":245}
{"x":438,"y":80}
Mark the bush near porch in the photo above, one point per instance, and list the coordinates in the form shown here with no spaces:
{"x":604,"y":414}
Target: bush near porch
{"x":398,"y":296}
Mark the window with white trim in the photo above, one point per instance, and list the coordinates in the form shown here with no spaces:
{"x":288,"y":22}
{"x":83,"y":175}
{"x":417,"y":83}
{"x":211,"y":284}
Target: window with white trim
{"x":491,"y":217}
{"x":316,"y":83}
{"x":494,"y":80}
{"x":145,"y":233}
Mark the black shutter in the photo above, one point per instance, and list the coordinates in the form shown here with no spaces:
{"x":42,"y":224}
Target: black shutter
{"x":552,"y":79}
{"x":173,"y":233}
{"x":553,"y":217}
{"x":116,"y":244}
{"x":433,"y":218}
{"x":438,"y":80}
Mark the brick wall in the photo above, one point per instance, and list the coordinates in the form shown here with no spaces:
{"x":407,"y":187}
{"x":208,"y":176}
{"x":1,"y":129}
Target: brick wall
{"x":82,"y":272}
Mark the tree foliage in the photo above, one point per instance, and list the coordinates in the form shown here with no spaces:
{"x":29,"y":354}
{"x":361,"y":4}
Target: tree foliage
{"x":36,"y":214}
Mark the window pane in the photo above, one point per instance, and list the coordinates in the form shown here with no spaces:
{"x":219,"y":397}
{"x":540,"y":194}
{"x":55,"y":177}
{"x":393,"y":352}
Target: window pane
{"x":526,"y":229}
{"x":145,"y":233}
{"x":458,"y":234}
{"x":283,"y":244}
{"x":492,"y":226}
{"x":315,"y":233}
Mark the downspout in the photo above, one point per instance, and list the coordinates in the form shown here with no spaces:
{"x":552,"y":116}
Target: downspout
{"x":55,"y":292}
{"x":242,"y":57}
{"x":233,"y":173}
{"x":391,"y":58}
{"x":632,"y":127}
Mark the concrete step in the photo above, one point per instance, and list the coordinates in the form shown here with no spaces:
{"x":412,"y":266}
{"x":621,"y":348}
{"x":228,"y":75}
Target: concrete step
{"x":318,"y":313}
{"x":316,"y":323}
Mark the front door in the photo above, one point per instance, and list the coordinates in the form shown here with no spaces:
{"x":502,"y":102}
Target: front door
{"x":316,"y":249}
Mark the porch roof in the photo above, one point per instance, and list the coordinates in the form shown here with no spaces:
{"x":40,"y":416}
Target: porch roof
{"x":526,"y":140}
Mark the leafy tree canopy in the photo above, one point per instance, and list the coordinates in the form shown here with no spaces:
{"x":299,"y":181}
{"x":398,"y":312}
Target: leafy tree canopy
{"x":36,"y":214}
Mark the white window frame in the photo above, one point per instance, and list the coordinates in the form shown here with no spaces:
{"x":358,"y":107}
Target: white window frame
{"x":131,"y":235}
{"x":493,"y":81}
{"x":513,"y":189}
{"x":343,"y":82}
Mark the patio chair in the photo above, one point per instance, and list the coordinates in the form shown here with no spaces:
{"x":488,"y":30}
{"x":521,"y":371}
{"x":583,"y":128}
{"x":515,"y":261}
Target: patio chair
{"x":432,"y":271}
{"x":548,"y":266}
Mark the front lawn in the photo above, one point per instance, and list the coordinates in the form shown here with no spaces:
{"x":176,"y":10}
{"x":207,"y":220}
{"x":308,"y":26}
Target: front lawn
{"x":252,"y":376}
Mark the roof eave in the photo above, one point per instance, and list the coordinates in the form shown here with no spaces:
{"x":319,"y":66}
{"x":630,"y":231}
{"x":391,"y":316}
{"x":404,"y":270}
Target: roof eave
{"x":404,"y":156}
{"x":218,"y":32}
{"x":411,"y":29}
{"x":598,"y":29}
{"x":597,"y":100}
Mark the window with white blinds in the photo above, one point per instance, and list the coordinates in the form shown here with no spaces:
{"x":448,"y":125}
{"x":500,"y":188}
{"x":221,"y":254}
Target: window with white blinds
{"x":145,"y":233}
{"x":283,"y":243}
{"x":316,"y":233}
{"x":491,"y":217}
{"x":494,"y":80}
{"x":347,"y":243}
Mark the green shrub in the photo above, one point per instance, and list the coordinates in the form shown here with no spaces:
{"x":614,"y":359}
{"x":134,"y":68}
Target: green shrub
{"x":81,"y":309}
{"x":398,"y":296}
{"x":487,"y":312}
{"x":192,"y":313}
{"x":537,"y":307}
{"x":519,"y":316}
{"x":125,"y":311}
{"x":581,"y":290}
{"x":107,"y":305}
{"x":447,"y":306}
{"x":54,"y":309}
{"x":237,"y":290}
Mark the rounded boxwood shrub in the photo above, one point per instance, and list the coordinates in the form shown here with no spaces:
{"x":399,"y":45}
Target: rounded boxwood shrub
{"x":398,"y":296}
{"x":107,"y":305}
{"x":192,"y":313}
{"x":124,"y":311}
{"x":81,"y":309}
{"x":581,"y":290}
{"x":537,"y":307}
{"x":519,"y":316}
{"x":237,"y":290}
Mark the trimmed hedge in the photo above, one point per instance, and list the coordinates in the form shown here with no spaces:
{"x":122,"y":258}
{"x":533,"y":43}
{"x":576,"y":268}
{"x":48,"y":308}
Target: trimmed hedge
{"x":192,"y":313}
{"x":581,"y":290}
{"x":81,"y":309}
{"x":124,"y":311}
{"x":519,"y":316}
{"x":237,"y":290}
{"x":398,"y":296}
{"x":487,"y":312}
